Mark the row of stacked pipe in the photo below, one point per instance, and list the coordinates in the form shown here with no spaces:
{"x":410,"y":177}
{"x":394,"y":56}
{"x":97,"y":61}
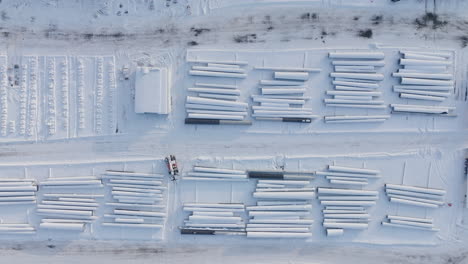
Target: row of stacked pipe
{"x":283,"y":206}
{"x":356,"y":81}
{"x":425,"y":76}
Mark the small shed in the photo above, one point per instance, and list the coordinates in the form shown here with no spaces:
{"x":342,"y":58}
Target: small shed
{"x":152,"y":91}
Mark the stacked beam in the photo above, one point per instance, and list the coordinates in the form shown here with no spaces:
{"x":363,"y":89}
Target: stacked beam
{"x":345,"y":209}
{"x":282,"y":99}
{"x":424,"y":224}
{"x":215,"y":102}
{"x":283,"y":209}
{"x":16,"y":229}
{"x":225,"y":69}
{"x":417,"y":196}
{"x":68,"y":212}
{"x":212,"y":218}
{"x":355,"y":79}
{"x":138,"y":200}
{"x":17,"y":191}
{"x":201,"y":173}
{"x":424,"y":76}
{"x":348,"y":175}
{"x":72,"y":182}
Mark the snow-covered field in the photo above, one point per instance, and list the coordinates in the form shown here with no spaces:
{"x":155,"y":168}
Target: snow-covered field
{"x":67,"y":111}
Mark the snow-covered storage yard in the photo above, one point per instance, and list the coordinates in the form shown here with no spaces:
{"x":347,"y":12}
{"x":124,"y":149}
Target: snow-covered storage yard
{"x":208,"y":131}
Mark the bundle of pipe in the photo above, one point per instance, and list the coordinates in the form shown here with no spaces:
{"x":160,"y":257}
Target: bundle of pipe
{"x":425,"y":76}
{"x":424,"y":109}
{"x":225,"y":69}
{"x":348,"y":175}
{"x":355,"y":77}
{"x":283,"y":211}
{"x":213,"y":217}
{"x":425,"y":224}
{"x":282,"y":99}
{"x":70,"y":212}
{"x":345,"y":208}
{"x":417,"y":196}
{"x":201,"y":173}
{"x":17,"y":191}
{"x":72,"y":182}
{"x":16,"y":229}
{"x":215,"y":102}
{"x":137,"y":199}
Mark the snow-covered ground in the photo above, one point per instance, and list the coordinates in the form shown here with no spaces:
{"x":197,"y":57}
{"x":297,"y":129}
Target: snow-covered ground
{"x":69,"y":136}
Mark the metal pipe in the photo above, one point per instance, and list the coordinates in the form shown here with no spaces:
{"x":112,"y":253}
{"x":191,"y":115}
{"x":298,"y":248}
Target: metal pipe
{"x":424,"y":62}
{"x":369,"y":106}
{"x":322,"y":190}
{"x":284,"y":195}
{"x":214,"y":107}
{"x":348,"y":198}
{"x":63,"y":226}
{"x":282,"y":221}
{"x":352,"y":170}
{"x":437,"y":76}
{"x":211,"y":116}
{"x":282,"y":91}
{"x":297,"y":76}
{"x":277,"y":235}
{"x":132,"y":225}
{"x":217,"y":74}
{"x":416,"y":199}
{"x":218,"y":96}
{"x":280,"y":82}
{"x":207,"y":101}
{"x":416,"y":189}
{"x":378,"y":63}
{"x":410,"y":202}
{"x":215,"y":219}
{"x":297,"y":69}
{"x":65,"y":212}
{"x":422,"y":97}
{"x":410,"y":227}
{"x":356,"y":55}
{"x":413,"y":194}
{"x":216,"y":85}
{"x":219,"y":61}
{"x":422,"y":92}
{"x":346,"y":225}
{"x":359,"y":203}
{"x":424,"y":87}
{"x":138,"y":213}
{"x":218,"y":69}
{"x":430,"y":82}
{"x":359,"y":76}
{"x":348,"y":182}
{"x":280,"y":207}
{"x":215,"y":91}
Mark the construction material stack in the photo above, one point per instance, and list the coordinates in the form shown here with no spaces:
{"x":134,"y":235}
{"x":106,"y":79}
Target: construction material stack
{"x":345,"y":209}
{"x":138,"y":200}
{"x":341,"y":175}
{"x":356,"y":81}
{"x":201,"y":173}
{"x":425,"y":76}
{"x":413,"y":195}
{"x":282,"y":98}
{"x":424,"y":224}
{"x":17,"y":191}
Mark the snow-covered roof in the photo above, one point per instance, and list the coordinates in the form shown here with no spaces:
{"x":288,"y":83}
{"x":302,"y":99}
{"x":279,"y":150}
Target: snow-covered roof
{"x":152,"y":91}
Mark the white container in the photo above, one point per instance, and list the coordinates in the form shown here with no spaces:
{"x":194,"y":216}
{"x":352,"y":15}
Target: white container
{"x":356,"y":55}
{"x":297,"y":76}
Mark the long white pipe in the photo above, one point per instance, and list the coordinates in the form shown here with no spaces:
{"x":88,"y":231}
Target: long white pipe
{"x":409,"y":227}
{"x":63,"y":226}
{"x":280,"y":82}
{"x":298,"y":76}
{"x":277,"y":225}
{"x":275,"y":100}
{"x":355,"y":67}
{"x":214,"y":107}
{"x":70,"y":203}
{"x":78,"y":182}
{"x":430,"y":82}
{"x":73,"y":199}
{"x":278,"y":235}
{"x":369,"y":120}
{"x":132,"y":186}
{"x":280,"y":207}
{"x":136,"y":190}
{"x":214,"y":225}
{"x":357,"y":84}
{"x":369,"y":106}
{"x":332,"y":232}
{"x":72,"y":178}
{"x":346,"y":225}
{"x":346,"y":220}
{"x":282,"y":91}
{"x":214,"y":213}
{"x":58,"y":220}
{"x":267,"y":185}
{"x":217,"y":74}
{"x":357,"y":208}
{"x":138,"y":194}
{"x":282,"y":221}
{"x":419,"y":110}
{"x":360,"y":203}
{"x":199,"y":100}
{"x":211,"y":116}
{"x":289,"y":69}
{"x":331,"y":211}
{"x":353,"y":97}
{"x":217,"y":175}
{"x":285,"y":190}
{"x":353,"y":89}
{"x":215,"y":91}
{"x":425,"y":87}
{"x":416,"y":199}
{"x":412,"y":219}
{"x":215,"y":219}
{"x":18,"y":198}
{"x":355,"y":117}
{"x":134,"y":174}
{"x":357,"y":179}
{"x":422,"y":97}
{"x":410,"y":223}
{"x":348,"y":198}
{"x":356,"y":55}
{"x":352,"y":170}
{"x":416,"y":189}
{"x":73,"y":195}
{"x":269,"y":203}
{"x":278,"y":229}
{"x":65,"y":207}
{"x":217,"y":170}
{"x":129,"y":220}
{"x":322,"y":190}
{"x":156,"y":197}
{"x":343,"y":174}
{"x":204,"y":209}
{"x":346,"y":216}
{"x":65,"y":212}
{"x":424,"y":62}
{"x":216,"y":205}
{"x":2,"y":194}
{"x":416,"y":56}
{"x":218,"y":69}
{"x":360,"y":76}
{"x":219,"y":61}
{"x":220,"y":65}
{"x":340,"y":101}
{"x":255,"y":107}
{"x":413,"y":194}
{"x":214,"y":112}
{"x":273,"y":112}
{"x":285,"y":195}
{"x":278,"y":213}
{"x":218,"y":96}
{"x":139,"y":213}
{"x":284,"y":182}
{"x":424,"y":69}
{"x":348,"y":182}
{"x":216,"y":85}
{"x":282,"y":105}
{"x":422,"y":92}
{"x":409,"y":202}
{"x":136,"y":182}
{"x":437,"y":76}
{"x":378,"y":63}
{"x":127,"y":200}
{"x":132,"y":225}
